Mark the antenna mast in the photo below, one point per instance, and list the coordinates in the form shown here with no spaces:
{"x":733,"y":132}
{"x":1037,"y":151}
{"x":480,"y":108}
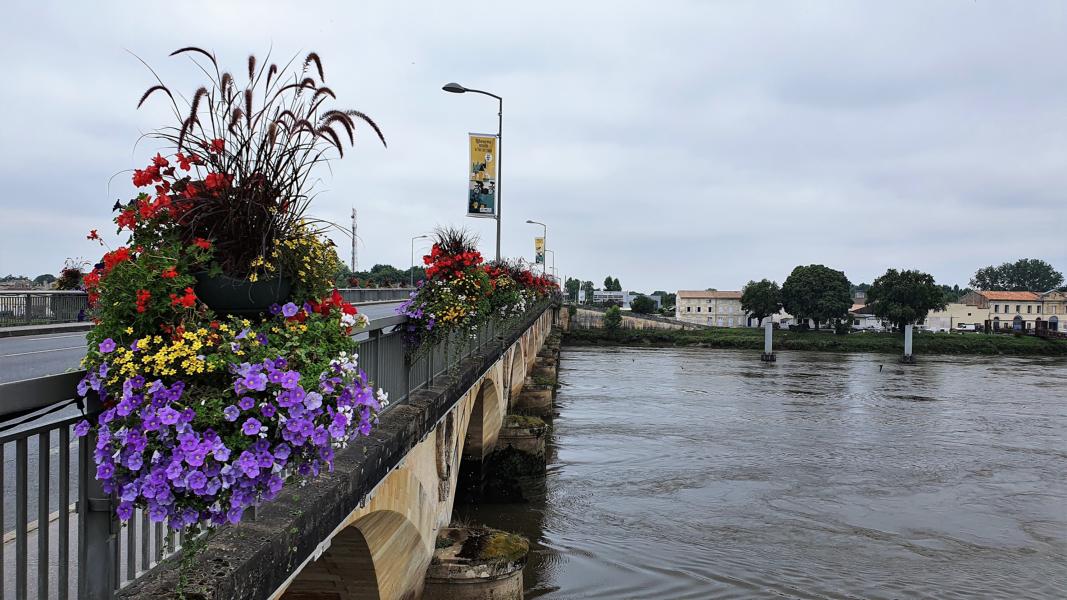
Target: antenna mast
{"x":353,"y":265}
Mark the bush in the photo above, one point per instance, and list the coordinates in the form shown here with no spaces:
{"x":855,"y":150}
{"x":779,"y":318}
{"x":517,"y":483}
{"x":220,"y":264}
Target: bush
{"x":613,"y":319}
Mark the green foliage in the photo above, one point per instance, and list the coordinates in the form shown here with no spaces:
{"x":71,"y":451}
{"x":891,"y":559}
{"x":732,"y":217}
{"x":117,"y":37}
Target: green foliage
{"x":571,"y":288}
{"x":44,"y":279}
{"x":905,"y":297}
{"x":384,"y":276}
{"x":816,"y":292}
{"x":587,"y":287}
{"x":882,"y":343}
{"x":613,"y":319}
{"x":761,"y":298}
{"x":643,"y":305}
{"x":1026,"y":274}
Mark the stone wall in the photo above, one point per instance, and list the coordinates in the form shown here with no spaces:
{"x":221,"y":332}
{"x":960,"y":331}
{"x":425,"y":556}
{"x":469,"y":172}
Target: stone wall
{"x":593,"y":318}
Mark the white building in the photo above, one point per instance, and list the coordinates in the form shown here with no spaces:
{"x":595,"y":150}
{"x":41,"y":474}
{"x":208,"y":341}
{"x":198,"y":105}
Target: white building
{"x":718,"y":309}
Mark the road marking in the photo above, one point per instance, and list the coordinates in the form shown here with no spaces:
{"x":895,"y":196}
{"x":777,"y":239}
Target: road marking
{"x":42,"y":351}
{"x":37,"y":338}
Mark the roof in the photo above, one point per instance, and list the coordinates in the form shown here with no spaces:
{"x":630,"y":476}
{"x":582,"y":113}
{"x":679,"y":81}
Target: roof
{"x":1021,"y":296}
{"x":709,"y":295}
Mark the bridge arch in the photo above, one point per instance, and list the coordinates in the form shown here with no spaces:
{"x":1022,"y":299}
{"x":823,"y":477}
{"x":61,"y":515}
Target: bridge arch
{"x":485,"y":419}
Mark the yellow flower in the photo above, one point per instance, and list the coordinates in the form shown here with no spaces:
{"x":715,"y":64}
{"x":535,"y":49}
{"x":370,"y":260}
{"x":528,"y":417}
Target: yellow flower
{"x":129,"y":330}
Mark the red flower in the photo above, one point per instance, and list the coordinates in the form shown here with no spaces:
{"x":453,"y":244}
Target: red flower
{"x":92,"y":235}
{"x":127,"y":219}
{"x":217,"y":145}
{"x":187,"y":300}
{"x":170,"y":273}
{"x":159,"y":161}
{"x":120,"y":254}
{"x":201,"y":242}
{"x":143,"y":296}
{"x":215,"y":181}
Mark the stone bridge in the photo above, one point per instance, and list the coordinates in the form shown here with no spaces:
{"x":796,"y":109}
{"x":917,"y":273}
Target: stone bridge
{"x":368,"y":529}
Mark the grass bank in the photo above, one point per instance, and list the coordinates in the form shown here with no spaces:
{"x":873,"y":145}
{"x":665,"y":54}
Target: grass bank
{"x":888,"y":343}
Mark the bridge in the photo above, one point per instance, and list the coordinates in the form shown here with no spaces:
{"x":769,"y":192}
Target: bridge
{"x":367,"y":530}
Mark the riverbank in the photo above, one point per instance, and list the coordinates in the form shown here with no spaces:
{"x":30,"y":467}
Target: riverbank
{"x":886,"y":343}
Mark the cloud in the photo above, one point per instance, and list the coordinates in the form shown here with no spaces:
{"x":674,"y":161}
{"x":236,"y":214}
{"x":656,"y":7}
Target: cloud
{"x":671,"y":144}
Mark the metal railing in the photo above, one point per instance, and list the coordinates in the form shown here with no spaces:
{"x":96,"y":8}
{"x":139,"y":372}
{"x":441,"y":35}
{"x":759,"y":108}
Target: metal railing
{"x":41,"y":463}
{"x":43,"y":307}
{"x":39,"y":307}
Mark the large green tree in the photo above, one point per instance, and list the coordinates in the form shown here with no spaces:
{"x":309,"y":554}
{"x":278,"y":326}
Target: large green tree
{"x":45,"y":279}
{"x":816,"y":292}
{"x":571,"y":287}
{"x":613,"y":319}
{"x":643,"y":305}
{"x":761,"y":298}
{"x":587,"y":287}
{"x":1025,"y":274}
{"x":609,"y":284}
{"x":905,"y":297}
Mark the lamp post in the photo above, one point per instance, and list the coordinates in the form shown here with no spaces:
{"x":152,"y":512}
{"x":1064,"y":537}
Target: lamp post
{"x":412,"y":271}
{"x":456,"y":88}
{"x":553,"y":253}
{"x":544,"y":236}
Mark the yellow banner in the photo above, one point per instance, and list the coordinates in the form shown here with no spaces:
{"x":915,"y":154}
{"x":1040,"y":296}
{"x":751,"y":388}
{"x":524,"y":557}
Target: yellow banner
{"x":539,"y":250}
{"x":481,"y":197}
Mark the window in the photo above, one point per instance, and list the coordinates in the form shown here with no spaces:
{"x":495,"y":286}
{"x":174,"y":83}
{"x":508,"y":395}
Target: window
{"x":688,"y":308}
{"x":1018,"y":308}
{"x":996,"y":308}
{"x":698,"y":309}
{"x":856,"y":322}
{"x":1038,"y":309}
{"x":720,"y":321}
{"x":1029,"y":309}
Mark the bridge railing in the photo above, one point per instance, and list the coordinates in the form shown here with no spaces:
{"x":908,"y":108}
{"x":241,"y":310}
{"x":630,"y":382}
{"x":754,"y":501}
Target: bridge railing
{"x":92,"y":554}
{"x":41,"y":307}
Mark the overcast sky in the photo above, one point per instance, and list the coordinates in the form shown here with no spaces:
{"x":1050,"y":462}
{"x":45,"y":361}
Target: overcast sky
{"x":674,"y":145}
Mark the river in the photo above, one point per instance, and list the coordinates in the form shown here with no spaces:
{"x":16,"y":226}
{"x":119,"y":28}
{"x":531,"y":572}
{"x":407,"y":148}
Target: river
{"x":698,"y":473}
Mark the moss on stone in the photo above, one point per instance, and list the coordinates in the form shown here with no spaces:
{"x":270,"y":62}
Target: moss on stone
{"x":494,"y":546}
{"x":523,"y":421}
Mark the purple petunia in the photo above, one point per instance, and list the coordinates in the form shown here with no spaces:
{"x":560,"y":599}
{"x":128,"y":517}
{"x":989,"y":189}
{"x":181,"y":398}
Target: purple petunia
{"x":289,"y":310}
{"x":107,"y":346}
{"x":230,"y":413}
{"x":261,"y":338}
{"x":245,"y":403}
{"x":275,"y":309}
{"x":251,"y":426}
{"x":82,"y":428}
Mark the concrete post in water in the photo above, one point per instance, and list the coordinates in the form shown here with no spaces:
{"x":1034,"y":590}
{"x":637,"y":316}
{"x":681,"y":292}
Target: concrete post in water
{"x":768,"y":338}
{"x":908,"y":357}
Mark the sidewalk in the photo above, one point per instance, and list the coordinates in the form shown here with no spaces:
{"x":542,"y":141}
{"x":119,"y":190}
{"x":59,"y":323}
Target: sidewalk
{"x":21,"y":330}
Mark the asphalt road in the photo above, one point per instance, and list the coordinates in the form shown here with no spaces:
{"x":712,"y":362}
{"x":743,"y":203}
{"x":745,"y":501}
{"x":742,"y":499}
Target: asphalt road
{"x":35,"y":356}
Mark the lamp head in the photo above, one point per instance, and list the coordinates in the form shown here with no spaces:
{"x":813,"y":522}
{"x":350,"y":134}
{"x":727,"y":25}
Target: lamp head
{"x":455,"y":88}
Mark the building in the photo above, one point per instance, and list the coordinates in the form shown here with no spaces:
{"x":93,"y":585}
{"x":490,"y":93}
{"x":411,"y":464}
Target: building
{"x":862,"y":318}
{"x":622,"y":299}
{"x":1054,"y":309}
{"x":957,"y":316}
{"x":1018,"y":311}
{"x":719,"y":309}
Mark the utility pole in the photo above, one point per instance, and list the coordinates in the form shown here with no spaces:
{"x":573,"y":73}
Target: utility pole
{"x":353,"y":240}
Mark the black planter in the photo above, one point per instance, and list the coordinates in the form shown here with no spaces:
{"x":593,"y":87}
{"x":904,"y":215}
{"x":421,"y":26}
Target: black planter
{"x":229,"y":296}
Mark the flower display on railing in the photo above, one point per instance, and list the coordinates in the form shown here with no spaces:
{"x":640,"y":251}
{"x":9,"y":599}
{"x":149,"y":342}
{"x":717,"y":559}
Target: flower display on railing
{"x":222,"y":358}
{"x":461,"y":292}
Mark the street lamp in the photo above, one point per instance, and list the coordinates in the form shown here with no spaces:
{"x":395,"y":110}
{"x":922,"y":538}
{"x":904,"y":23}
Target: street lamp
{"x":553,"y":253}
{"x":412,"y":272}
{"x":544,"y":236}
{"x":456,"y":88}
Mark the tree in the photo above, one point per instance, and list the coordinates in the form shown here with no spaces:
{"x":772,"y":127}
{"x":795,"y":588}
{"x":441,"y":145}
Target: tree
{"x":905,"y":297}
{"x":1026,"y":274}
{"x":643,"y":305}
{"x":613,"y":319}
{"x":587,"y":287}
{"x":761,"y":298}
{"x":615,"y":285}
{"x":816,"y":292}
{"x":609,"y":284}
{"x":45,"y":279}
{"x":571,"y":287}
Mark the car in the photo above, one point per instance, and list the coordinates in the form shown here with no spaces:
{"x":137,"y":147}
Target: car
{"x":966,"y":327}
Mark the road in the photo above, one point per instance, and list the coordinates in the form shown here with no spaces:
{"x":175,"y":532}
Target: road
{"x":35,"y":356}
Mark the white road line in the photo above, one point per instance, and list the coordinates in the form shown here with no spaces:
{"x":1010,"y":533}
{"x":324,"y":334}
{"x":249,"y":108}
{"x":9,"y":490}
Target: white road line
{"x":42,"y":351}
{"x":38,"y":338}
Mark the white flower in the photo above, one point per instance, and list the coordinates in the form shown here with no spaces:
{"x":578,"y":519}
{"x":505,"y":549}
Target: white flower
{"x":383,"y":397}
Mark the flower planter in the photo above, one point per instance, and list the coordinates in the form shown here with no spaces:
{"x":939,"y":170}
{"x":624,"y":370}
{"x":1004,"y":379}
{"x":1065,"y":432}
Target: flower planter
{"x":229,"y":296}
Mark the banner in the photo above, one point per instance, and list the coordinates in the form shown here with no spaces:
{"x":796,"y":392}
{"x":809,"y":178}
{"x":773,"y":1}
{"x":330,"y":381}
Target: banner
{"x":539,"y":250}
{"x":481,"y":193}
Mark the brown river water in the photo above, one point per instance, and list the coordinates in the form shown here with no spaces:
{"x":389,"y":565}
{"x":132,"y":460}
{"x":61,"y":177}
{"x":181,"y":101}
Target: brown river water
{"x":698,"y":473}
